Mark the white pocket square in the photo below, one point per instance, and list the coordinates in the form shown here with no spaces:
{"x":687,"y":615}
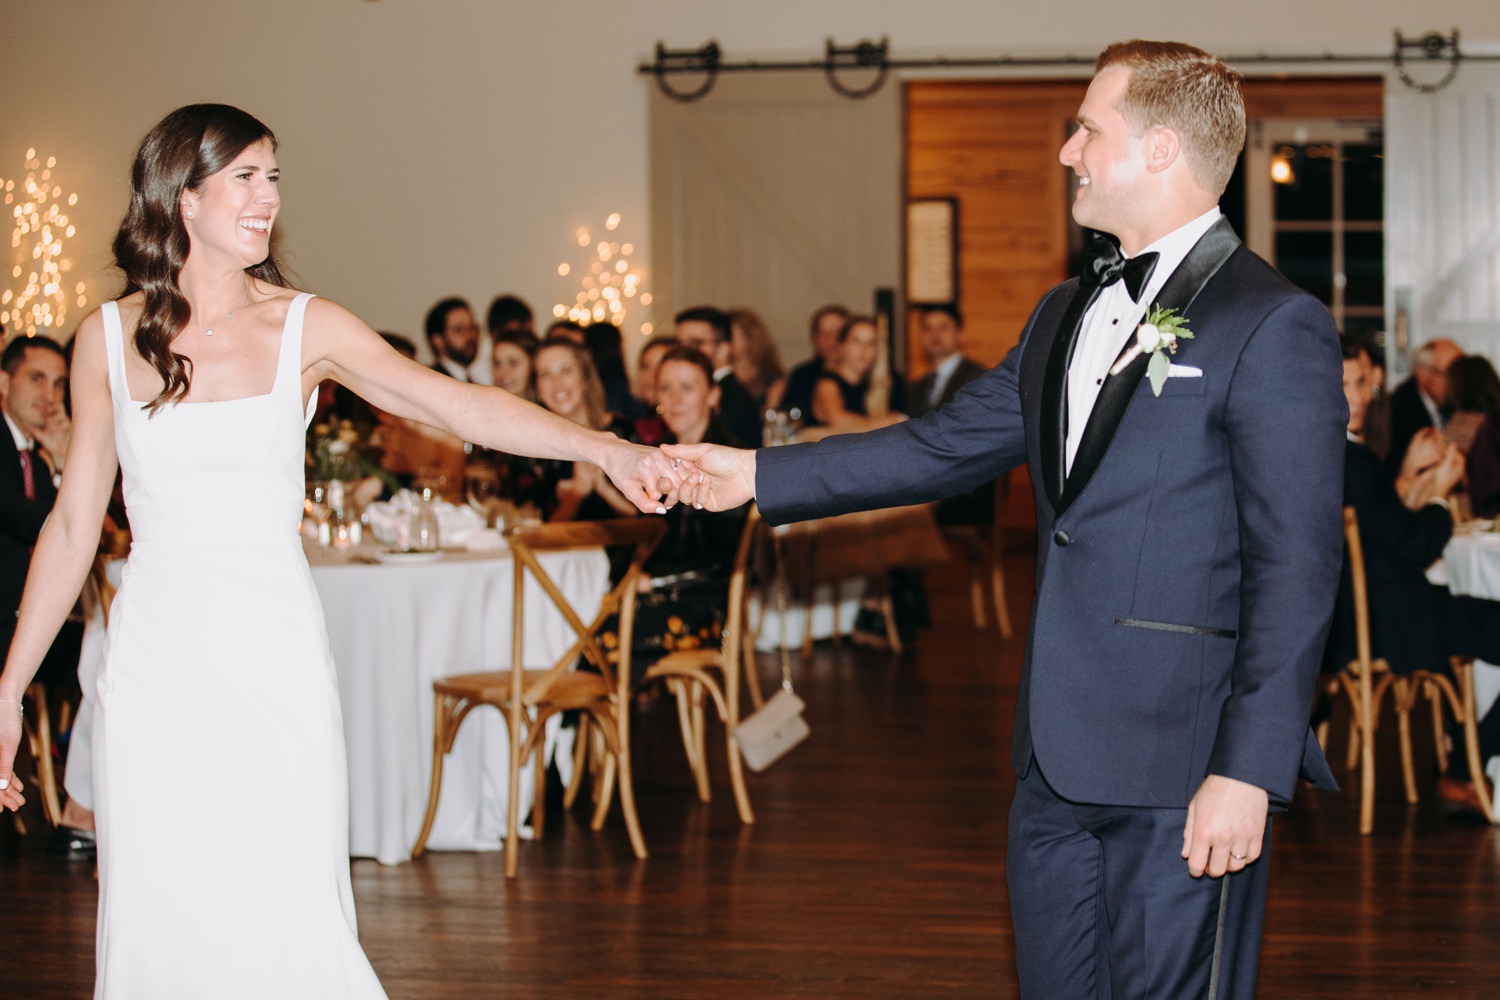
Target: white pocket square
{"x":1184,"y":371}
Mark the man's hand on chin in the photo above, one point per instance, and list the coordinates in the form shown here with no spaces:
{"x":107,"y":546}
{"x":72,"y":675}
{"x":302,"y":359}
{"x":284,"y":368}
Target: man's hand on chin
{"x":1225,"y":823}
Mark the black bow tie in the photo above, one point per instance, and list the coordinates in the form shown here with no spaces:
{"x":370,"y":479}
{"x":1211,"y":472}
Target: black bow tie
{"x":1103,"y":265}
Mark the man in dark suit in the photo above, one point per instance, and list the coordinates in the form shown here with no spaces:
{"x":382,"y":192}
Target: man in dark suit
{"x":708,"y":330}
{"x":823,"y":328}
{"x":453,"y":336}
{"x":1404,"y":525}
{"x":33,"y":384}
{"x":1419,"y":401}
{"x":942,"y":337}
{"x":943,"y":343}
{"x":1189,"y":545}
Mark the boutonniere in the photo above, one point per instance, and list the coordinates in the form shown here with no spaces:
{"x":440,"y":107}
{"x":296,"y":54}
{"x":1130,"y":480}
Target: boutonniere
{"x":1157,"y":336}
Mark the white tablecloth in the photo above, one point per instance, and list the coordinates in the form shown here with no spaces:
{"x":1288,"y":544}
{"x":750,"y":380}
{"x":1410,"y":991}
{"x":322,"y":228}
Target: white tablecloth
{"x":1471,"y":563}
{"x":393,"y":629}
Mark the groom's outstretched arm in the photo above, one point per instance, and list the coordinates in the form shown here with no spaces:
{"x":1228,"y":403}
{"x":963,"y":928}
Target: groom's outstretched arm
{"x":966,"y":443}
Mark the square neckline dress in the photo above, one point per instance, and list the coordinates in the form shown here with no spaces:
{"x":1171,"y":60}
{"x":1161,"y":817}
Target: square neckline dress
{"x":221,"y":791}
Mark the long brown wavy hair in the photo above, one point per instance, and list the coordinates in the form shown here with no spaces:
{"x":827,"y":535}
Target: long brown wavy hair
{"x":184,"y":149}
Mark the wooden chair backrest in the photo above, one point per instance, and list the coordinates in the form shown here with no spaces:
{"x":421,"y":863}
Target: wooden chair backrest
{"x":1360,"y":593}
{"x":641,"y":534}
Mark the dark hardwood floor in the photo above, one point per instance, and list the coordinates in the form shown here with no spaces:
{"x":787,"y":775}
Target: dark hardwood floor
{"x":875,"y":870}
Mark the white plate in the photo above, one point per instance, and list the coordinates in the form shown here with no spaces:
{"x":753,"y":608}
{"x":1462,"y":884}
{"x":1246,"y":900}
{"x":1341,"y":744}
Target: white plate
{"x":396,"y":556}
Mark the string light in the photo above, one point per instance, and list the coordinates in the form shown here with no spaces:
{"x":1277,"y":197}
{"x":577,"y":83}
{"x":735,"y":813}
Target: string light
{"x":606,"y":277}
{"x":39,"y":227}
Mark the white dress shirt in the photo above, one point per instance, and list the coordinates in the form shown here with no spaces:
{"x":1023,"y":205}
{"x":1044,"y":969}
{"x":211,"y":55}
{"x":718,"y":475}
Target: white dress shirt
{"x":941,"y":376}
{"x":1110,"y":324}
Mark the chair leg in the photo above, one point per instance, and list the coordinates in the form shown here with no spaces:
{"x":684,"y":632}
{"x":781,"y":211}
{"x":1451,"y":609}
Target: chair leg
{"x":1465,"y":672}
{"x":1439,"y":740}
{"x":40,"y":733}
{"x":539,"y":788}
{"x":627,"y":799}
{"x":1366,"y":714}
{"x":888,"y":613}
{"x":976,"y":589}
{"x":997,"y":587}
{"x":580,"y":761}
{"x":751,"y":670}
{"x":606,"y":791}
{"x":1407,"y":693}
{"x":700,"y":751}
{"x":515,"y":718}
{"x":440,"y":716}
{"x":681,"y":690}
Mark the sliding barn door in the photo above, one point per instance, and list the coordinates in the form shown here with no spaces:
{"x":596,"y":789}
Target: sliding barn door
{"x":775,"y":193}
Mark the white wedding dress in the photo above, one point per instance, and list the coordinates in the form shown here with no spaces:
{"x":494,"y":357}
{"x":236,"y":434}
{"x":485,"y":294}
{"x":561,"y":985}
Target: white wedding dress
{"x":219,"y":774}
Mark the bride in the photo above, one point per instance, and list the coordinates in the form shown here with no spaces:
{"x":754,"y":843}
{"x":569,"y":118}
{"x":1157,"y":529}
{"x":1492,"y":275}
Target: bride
{"x":217,"y":701}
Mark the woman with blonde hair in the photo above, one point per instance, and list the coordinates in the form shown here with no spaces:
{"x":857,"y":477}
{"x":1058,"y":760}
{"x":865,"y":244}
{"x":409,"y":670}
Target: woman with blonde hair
{"x":756,"y":361}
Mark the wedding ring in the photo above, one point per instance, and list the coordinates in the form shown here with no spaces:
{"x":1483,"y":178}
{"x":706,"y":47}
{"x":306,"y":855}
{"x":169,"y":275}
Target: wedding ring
{"x":676,"y":462}
{"x":1237,"y":857}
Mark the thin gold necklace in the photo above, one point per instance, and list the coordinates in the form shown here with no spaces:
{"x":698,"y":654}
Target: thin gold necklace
{"x":208,"y":331}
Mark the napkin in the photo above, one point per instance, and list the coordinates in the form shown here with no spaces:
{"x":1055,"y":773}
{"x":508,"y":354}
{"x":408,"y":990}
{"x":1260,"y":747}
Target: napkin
{"x":456,"y":525}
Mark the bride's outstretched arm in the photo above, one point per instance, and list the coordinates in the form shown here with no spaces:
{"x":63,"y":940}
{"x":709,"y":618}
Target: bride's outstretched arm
{"x":67,"y":545}
{"x":338,"y":345}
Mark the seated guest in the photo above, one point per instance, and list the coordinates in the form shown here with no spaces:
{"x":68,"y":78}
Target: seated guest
{"x":509,"y":314}
{"x":33,"y":452}
{"x":1474,"y":425}
{"x":1420,"y":401}
{"x":841,"y":397}
{"x":942,"y":330}
{"x":565,"y":328}
{"x":1414,"y":624}
{"x":754,"y":357}
{"x":453,"y":336}
{"x":649,"y":429}
{"x":685,"y":586}
{"x":797,"y":392}
{"x":608,"y":350}
{"x":567,"y":384}
{"x":707,"y":329}
{"x":510,"y":361}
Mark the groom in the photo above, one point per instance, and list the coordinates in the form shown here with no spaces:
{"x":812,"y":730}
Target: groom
{"x":1189,"y":547}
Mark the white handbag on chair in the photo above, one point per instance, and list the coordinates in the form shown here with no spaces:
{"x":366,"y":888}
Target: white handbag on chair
{"x":768,"y":733}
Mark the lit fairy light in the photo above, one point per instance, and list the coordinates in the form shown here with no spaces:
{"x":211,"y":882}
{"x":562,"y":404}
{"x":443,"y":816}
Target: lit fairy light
{"x":35,"y":205}
{"x":608,"y":284}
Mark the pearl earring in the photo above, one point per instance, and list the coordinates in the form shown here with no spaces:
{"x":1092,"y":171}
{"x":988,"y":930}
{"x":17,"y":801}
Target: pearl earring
{"x":187,"y":215}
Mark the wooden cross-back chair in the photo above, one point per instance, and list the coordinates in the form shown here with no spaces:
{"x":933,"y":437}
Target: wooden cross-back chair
{"x":983,"y":547}
{"x":1367,"y":679}
{"x":527,"y":698}
{"x":692,"y":674}
{"x":38,"y":725}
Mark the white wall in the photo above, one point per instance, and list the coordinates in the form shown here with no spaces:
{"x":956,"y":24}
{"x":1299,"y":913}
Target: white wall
{"x":433,"y":147}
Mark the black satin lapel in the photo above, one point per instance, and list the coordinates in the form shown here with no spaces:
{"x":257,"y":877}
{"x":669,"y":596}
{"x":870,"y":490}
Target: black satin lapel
{"x":1201,"y":264}
{"x":1054,"y":415}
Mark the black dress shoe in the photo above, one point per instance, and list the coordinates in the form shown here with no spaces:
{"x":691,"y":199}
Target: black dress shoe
{"x":73,"y":844}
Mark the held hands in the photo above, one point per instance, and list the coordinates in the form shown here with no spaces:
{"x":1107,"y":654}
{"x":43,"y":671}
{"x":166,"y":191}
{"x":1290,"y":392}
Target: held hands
{"x":714,"y":477}
{"x":1225,"y":823}
{"x":645,"y":476}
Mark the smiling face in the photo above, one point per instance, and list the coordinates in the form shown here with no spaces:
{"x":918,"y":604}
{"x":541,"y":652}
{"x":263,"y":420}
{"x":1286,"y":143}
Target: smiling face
{"x":1109,"y":158}
{"x":560,"y":383}
{"x":511,"y":367}
{"x":685,"y":398}
{"x":231,"y":214}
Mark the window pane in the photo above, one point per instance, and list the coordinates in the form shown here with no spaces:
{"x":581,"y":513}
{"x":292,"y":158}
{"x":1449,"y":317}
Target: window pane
{"x":1364,"y":269}
{"x":1364,"y":183}
{"x":1307,"y":261}
{"x":1310,"y":193}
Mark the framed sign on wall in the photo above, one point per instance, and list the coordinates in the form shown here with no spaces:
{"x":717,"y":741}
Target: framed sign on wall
{"x":931,"y":251}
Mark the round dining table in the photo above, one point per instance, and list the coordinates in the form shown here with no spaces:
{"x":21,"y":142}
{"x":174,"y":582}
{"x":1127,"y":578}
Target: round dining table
{"x":1471,"y":566}
{"x":394,"y":625}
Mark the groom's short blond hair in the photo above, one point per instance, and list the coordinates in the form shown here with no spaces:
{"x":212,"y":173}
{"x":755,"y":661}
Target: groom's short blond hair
{"x":1192,"y":93}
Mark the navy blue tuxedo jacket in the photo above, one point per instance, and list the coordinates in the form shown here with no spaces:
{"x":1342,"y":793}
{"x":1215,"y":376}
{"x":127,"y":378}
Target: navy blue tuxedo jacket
{"x":1187,"y":566}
